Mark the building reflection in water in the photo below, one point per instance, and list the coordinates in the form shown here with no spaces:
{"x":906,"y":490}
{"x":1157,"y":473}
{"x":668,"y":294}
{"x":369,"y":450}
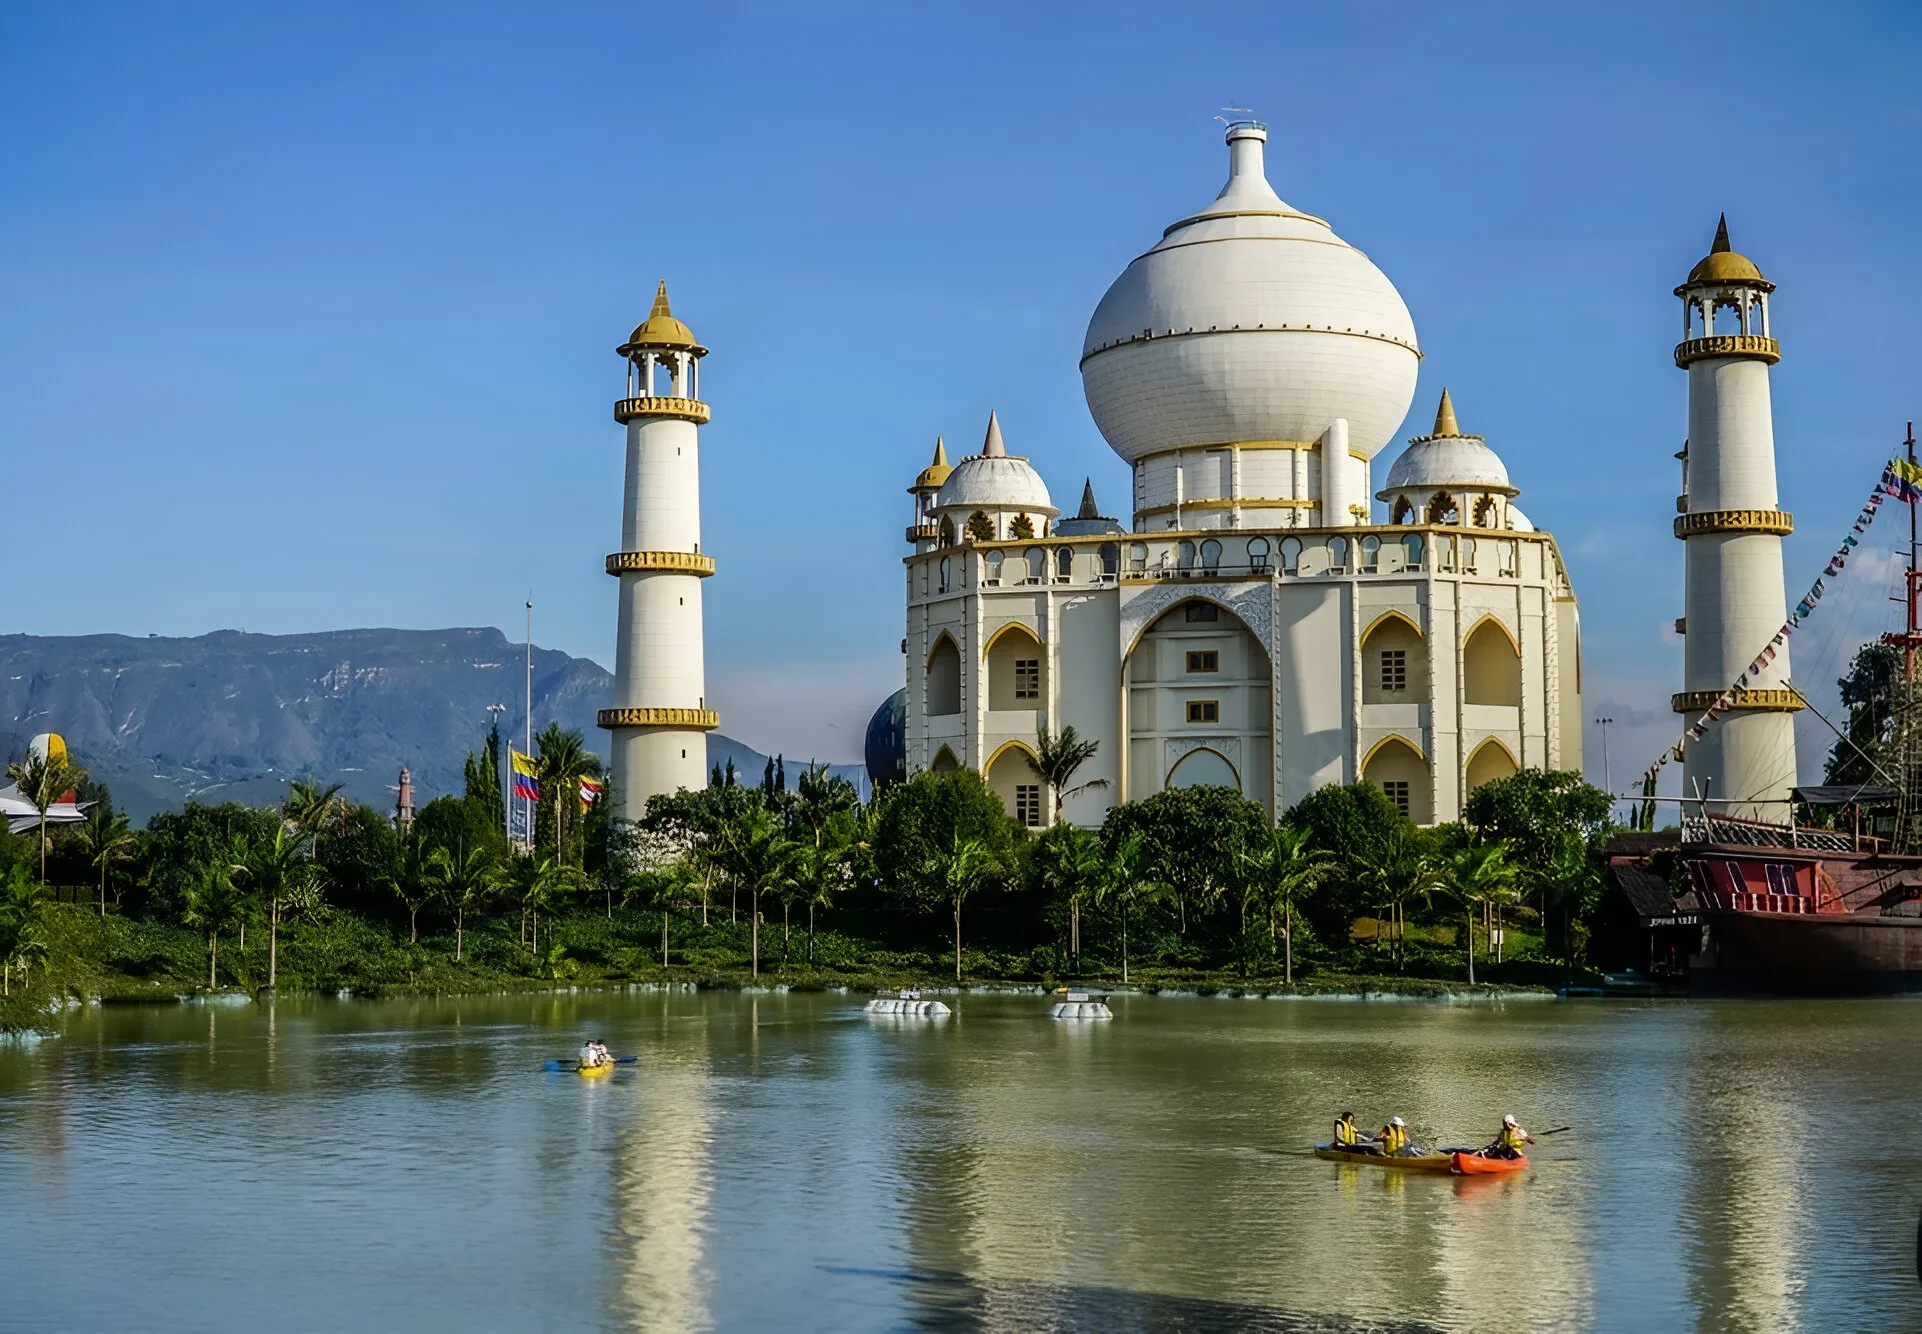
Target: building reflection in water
{"x":663,"y":1190}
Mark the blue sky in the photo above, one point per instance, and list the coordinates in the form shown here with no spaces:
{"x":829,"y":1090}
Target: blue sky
{"x":307,"y":314}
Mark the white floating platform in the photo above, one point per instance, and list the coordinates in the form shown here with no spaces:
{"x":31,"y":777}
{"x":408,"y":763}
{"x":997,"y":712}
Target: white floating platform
{"x":909,"y":1004}
{"x":1080,"y":1005}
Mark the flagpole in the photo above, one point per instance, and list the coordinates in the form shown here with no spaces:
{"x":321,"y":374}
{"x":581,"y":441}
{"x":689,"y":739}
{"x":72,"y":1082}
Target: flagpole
{"x":528,"y":828}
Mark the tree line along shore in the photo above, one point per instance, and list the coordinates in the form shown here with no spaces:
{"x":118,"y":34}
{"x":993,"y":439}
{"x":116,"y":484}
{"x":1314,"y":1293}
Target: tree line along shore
{"x":930,"y":882}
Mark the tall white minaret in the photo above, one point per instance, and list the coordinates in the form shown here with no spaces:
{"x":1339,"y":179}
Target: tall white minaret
{"x":660,"y":717}
{"x":1732,"y":534}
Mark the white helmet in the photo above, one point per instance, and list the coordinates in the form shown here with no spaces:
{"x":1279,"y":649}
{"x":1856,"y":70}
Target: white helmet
{"x":1509,"y":1120}
{"x":1394,"y":1120}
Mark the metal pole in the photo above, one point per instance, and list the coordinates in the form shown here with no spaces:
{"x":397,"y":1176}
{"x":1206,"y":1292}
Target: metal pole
{"x":1607,"y":785}
{"x":529,"y":826}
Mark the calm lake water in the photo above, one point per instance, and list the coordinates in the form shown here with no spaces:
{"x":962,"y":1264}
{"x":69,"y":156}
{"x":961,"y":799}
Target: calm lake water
{"x":785,"y":1162}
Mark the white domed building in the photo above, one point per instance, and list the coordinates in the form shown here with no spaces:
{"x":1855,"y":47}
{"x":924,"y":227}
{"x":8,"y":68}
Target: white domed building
{"x":1262,"y":625}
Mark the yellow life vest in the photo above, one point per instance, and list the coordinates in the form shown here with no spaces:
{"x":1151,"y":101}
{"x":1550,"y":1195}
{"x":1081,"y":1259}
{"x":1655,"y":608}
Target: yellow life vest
{"x":1513,"y":1137}
{"x":1345,"y":1133}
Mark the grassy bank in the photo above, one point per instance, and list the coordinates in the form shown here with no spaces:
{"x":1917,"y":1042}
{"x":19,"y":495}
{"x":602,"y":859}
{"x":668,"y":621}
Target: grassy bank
{"x":119,"y":959}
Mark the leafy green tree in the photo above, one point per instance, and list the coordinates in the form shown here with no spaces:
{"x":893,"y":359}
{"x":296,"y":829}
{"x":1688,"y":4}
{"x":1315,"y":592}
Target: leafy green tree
{"x":1128,"y":878}
{"x":666,"y":888}
{"x":954,"y":873}
{"x":1554,"y":823}
{"x":214,"y":903}
{"x":314,"y":811}
{"x":760,"y":858}
{"x":1404,"y":871}
{"x":180,"y":845}
{"x":1194,"y":838}
{"x":482,"y":776}
{"x":1058,"y":758}
{"x":1479,"y":875}
{"x":1070,"y":867}
{"x":21,"y":939}
{"x":462,"y":878}
{"x":43,"y":780}
{"x":107,"y":841}
{"x":1350,"y":823}
{"x":1282,"y":869}
{"x":282,"y":875}
{"x":915,"y":820}
{"x":406,"y":875}
{"x":564,"y":761}
{"x":1868,"y":692}
{"x":542,"y":884}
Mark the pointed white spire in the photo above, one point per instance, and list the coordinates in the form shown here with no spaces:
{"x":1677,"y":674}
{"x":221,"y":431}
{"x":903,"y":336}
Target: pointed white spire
{"x":994,"y":447}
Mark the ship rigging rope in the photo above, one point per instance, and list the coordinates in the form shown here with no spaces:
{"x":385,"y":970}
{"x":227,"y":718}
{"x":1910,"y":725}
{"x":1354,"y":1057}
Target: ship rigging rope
{"x":1899,"y":479}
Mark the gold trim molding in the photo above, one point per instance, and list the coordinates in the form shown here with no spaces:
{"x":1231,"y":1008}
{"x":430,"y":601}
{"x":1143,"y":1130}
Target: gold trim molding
{"x":704,"y":720}
{"x":683,"y":409}
{"x":1246,"y":503}
{"x":1774,"y":522}
{"x":1728,"y":345}
{"x":660,"y":562}
{"x":1767,"y":701}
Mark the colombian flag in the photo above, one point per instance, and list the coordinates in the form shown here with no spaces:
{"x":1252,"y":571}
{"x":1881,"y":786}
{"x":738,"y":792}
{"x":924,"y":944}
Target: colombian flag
{"x":1903,"y":480}
{"x":590,"y":793}
{"x":527,"y":776}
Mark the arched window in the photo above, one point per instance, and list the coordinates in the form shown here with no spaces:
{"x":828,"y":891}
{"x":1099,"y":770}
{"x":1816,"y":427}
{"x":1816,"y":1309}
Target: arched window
{"x":944,"y":678}
{"x":1290,"y":553}
{"x":947,"y":532}
{"x":1063,"y":565}
{"x":1338,"y":553}
{"x":1137,"y":555}
{"x":1403,"y":511}
{"x":994,"y":569}
{"x":1258,"y":553}
{"x":1110,"y":560}
{"x":1486,"y":513}
{"x":980,"y":527}
{"x":1443,"y":509}
{"x":1491,"y":667}
{"x":1444,"y":553}
{"x":1211,"y":555}
{"x":1022,"y":527}
{"x":1412,"y":545}
{"x":1187,"y":560}
{"x":1370,"y":554}
{"x":944,"y":574}
{"x":1468,"y":556}
{"x":1037,"y":565}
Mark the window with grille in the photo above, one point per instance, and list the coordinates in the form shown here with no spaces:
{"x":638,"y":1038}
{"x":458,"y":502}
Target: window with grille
{"x":1027,"y":803}
{"x":1204,"y":660}
{"x":1027,"y":678}
{"x":1197,"y":613}
{"x":1397,"y":790}
{"x":1204,"y":711}
{"x":1394,"y":669}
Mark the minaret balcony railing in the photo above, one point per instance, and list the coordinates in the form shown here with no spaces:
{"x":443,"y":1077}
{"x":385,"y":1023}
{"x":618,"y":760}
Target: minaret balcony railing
{"x":703,"y":720}
{"x":1774,"y":522}
{"x":660,"y":562}
{"x":1767,"y":701}
{"x":924,"y":532}
{"x":682,"y":409}
{"x":1728,"y":345}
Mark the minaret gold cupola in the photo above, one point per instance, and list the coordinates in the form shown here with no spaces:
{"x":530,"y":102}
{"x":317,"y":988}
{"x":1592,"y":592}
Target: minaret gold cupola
{"x":663,"y":368}
{"x":1725,"y":307}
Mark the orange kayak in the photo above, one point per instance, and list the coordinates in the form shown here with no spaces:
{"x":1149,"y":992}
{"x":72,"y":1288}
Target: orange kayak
{"x":1473,"y":1164}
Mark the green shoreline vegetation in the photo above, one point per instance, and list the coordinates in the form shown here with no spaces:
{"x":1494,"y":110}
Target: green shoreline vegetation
{"x":930,"y":884}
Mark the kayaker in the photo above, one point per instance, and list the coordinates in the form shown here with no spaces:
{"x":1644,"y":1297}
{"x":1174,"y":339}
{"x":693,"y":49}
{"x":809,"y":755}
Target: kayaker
{"x":594,"y":1054}
{"x":1346,"y":1135}
{"x":1508,"y":1143}
{"x":1393,"y":1138}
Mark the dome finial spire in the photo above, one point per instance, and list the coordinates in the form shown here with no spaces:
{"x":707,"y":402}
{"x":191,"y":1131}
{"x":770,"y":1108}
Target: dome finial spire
{"x":1721,"y":246}
{"x":1445,"y":423}
{"x":660,"y":301}
{"x":1089,"y":510}
{"x":940,"y":453}
{"x":994,"y":447}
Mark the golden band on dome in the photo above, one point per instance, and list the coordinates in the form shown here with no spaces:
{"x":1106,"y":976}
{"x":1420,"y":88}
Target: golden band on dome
{"x":660,"y":562}
{"x":1728,"y":345}
{"x":1774,"y":522}
{"x":1768,"y":701}
{"x":685,"y":409}
{"x":705,"y":720}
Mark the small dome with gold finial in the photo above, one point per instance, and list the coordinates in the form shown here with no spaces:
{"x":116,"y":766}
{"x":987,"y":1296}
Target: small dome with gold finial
{"x":931,"y":477}
{"x":1723,"y":265}
{"x":661,"y":330}
{"x":1446,"y":458}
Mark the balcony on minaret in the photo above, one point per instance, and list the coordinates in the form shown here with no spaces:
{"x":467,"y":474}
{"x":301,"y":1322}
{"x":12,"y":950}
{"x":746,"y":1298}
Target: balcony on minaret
{"x":1725,"y":308}
{"x":663,"y":368}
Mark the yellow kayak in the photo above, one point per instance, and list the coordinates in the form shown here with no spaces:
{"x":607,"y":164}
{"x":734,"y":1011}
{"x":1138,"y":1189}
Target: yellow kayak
{"x":1427,"y":1162}
{"x":606,"y":1069}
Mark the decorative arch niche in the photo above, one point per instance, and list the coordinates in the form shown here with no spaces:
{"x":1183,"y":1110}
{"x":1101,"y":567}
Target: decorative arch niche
{"x":1491,"y":666}
{"x":1394,"y":661}
{"x":1204,"y":767}
{"x":1011,"y":769}
{"x":1491,"y":760}
{"x":1017,"y":669}
{"x":944,"y":678}
{"x":944,"y":761}
{"x":1397,"y":768}
{"x":1443,"y":509}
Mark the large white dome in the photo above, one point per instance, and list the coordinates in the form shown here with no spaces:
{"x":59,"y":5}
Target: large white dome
{"x":1249,"y":321}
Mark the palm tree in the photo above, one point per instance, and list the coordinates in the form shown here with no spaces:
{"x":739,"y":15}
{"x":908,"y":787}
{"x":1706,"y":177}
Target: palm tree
{"x":759,"y":857}
{"x":106,"y":838}
{"x":1479,"y":875}
{"x":1281,"y":872}
{"x":542,"y":883}
{"x":282,"y":873}
{"x":820,"y":796}
{"x":406,"y":874}
{"x":20,"y":938}
{"x":1069,"y":862}
{"x":43,"y":780}
{"x":1056,"y":759}
{"x":213,"y":904}
{"x":955,"y":872}
{"x":564,"y":761}
{"x":1128,"y":876}
{"x":663,"y":888}
{"x":1402,"y":873}
{"x":312,"y":809}
{"x":462,"y":879}
{"x":822,"y":871}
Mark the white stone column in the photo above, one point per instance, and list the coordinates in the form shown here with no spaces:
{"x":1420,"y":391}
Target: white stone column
{"x":1337,"y":493}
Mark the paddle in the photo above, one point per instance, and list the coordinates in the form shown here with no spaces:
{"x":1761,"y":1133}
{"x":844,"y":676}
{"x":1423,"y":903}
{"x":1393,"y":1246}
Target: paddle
{"x":575,"y":1065}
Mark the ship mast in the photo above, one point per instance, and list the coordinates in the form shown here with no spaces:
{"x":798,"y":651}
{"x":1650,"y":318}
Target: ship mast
{"x":1906,"y":706}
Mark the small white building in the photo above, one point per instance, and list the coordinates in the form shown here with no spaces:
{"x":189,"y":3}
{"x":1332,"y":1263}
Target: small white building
{"x":1256,"y":627}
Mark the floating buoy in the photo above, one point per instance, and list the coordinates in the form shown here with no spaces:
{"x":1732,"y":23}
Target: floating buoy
{"x":1080,"y":1005}
{"x":910,"y":1004}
